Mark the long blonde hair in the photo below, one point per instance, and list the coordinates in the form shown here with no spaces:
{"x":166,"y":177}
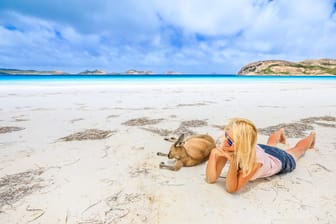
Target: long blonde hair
{"x":244,"y":134}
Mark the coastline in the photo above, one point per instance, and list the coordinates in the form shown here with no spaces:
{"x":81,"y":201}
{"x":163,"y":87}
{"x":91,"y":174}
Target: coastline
{"x":117,"y":178}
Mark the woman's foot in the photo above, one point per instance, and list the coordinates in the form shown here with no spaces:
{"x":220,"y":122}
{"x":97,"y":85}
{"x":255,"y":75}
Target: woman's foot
{"x":282,"y":136}
{"x":312,"y":144}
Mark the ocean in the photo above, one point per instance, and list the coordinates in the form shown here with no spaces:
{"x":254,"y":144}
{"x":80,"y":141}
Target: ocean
{"x":157,"y":81}
{"x":136,"y":78}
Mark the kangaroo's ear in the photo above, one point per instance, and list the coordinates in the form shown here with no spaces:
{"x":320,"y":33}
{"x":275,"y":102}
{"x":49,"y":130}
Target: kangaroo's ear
{"x":171,"y":139}
{"x":179,"y":141}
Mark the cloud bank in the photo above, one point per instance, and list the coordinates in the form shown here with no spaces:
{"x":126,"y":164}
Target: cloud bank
{"x":191,"y":36}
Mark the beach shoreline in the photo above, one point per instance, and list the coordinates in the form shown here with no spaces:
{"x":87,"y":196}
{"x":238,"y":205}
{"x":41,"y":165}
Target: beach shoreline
{"x":87,"y":153}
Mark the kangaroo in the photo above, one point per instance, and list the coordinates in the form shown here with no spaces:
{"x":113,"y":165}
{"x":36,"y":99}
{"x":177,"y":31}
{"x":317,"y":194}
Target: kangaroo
{"x":191,"y":152}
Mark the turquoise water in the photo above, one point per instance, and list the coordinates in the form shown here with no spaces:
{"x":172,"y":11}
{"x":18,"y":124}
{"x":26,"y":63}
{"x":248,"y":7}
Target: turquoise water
{"x":151,"y":79}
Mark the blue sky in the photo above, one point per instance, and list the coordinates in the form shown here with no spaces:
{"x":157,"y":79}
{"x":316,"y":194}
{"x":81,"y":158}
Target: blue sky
{"x":190,"y":36}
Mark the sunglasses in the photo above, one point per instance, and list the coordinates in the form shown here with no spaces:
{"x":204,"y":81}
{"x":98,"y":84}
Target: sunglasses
{"x":229,"y":140}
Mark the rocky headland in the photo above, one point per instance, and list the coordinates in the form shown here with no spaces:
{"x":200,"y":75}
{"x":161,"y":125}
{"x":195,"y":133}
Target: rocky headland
{"x":319,"y":67}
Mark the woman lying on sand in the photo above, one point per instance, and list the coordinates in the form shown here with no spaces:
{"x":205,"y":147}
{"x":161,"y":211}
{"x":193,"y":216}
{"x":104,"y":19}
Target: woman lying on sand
{"x":249,"y":161}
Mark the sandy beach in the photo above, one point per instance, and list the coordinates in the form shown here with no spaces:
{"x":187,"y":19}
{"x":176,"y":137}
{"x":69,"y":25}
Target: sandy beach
{"x":87,"y":154}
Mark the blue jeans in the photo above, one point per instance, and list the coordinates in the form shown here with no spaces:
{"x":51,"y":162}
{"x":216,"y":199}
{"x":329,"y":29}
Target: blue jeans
{"x":287,"y":160}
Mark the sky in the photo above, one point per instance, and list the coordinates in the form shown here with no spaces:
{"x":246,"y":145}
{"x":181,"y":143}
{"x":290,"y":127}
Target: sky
{"x":189,"y":36}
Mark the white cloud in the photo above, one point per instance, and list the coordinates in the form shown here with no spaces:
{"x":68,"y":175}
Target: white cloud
{"x":292,"y":27}
{"x":208,"y":17}
{"x":189,"y":35}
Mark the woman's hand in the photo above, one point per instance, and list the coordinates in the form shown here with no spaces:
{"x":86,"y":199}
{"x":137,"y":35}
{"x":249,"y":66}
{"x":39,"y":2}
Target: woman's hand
{"x":215,"y":165}
{"x":222,"y":153}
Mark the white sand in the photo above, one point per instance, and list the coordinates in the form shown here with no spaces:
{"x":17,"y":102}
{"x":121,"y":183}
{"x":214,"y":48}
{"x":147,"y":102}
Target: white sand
{"x":118,"y":180}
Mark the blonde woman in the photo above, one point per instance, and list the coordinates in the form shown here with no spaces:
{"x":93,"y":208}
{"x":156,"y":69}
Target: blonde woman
{"x":249,"y":160}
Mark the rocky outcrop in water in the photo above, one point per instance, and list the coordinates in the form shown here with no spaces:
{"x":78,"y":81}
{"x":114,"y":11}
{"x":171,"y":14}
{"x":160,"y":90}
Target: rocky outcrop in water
{"x":320,"y":67}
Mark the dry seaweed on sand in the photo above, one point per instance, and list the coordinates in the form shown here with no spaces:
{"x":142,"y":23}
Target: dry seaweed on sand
{"x":190,"y":104}
{"x":120,"y":207}
{"x":184,"y":127}
{"x":39,"y":212}
{"x":321,"y":121}
{"x":112,"y":116}
{"x":165,"y":132}
{"x":183,"y":130}
{"x":299,"y":129}
{"x":19,"y":118}
{"x":89,"y":134}
{"x":142,"y":121}
{"x":194,"y":123}
{"x":15,"y":187}
{"x":323,"y":118}
{"x":75,"y":120}
{"x":221,"y":127}
{"x":161,"y":132}
{"x":4,"y":130}
{"x":293,"y":130}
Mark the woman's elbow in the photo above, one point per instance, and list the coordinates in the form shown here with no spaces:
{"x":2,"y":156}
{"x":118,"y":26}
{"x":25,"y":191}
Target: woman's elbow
{"x":210,"y":180}
{"x":231,"y":190}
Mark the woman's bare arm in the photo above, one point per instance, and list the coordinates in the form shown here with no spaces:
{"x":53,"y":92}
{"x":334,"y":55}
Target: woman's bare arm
{"x":215,"y":165}
{"x":235,"y":180}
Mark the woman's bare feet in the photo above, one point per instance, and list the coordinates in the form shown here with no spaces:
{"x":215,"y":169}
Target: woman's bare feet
{"x":282,"y":136}
{"x":313,"y":135}
{"x":276,"y":137}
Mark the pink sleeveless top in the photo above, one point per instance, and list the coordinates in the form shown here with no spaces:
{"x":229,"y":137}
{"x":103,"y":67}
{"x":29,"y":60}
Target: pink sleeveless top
{"x":270,"y":164}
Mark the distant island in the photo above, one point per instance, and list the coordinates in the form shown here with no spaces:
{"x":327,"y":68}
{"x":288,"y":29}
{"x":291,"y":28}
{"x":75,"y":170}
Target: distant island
{"x":6,"y":71}
{"x":319,"y":67}
{"x":128,"y":72}
{"x":93,"y":72}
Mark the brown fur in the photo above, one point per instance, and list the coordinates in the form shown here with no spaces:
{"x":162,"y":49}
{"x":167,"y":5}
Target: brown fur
{"x":191,"y":152}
